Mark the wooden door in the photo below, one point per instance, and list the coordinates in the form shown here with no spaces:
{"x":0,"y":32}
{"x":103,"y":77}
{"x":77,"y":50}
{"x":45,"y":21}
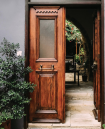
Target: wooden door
{"x":96,"y":58}
{"x":47,"y":59}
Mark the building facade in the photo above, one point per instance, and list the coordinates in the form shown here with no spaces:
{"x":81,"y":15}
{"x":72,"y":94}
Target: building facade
{"x":15,"y":27}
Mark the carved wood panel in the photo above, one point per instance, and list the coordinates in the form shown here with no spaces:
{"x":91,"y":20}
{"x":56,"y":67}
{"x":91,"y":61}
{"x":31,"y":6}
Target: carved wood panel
{"x":47,"y":90}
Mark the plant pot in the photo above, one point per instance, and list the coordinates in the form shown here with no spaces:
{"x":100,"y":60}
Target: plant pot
{"x":84,"y":78}
{"x":6,"y":125}
{"x":17,"y":123}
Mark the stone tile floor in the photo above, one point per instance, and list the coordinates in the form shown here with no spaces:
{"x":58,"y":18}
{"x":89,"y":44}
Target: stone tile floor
{"x":78,"y":106}
{"x":70,"y":77}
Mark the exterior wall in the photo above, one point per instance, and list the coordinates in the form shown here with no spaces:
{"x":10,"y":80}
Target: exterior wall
{"x":12,"y":27}
{"x":12,"y":21}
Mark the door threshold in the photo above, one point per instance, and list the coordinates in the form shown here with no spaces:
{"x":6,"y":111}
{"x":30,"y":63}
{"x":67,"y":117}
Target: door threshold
{"x":46,"y":121}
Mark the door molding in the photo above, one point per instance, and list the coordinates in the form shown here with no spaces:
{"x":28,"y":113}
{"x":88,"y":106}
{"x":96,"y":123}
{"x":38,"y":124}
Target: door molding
{"x":102,"y":64}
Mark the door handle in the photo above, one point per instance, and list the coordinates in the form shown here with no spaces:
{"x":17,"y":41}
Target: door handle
{"x":52,"y":68}
{"x":94,"y":66}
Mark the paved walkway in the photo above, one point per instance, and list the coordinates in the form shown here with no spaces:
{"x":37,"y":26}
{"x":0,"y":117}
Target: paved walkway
{"x":79,"y":106}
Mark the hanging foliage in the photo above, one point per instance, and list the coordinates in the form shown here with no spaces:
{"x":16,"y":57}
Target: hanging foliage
{"x":72,"y":32}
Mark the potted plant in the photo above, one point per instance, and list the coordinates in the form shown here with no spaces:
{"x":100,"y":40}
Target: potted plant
{"x":84,"y":75}
{"x":76,"y":58}
{"x":13,"y":87}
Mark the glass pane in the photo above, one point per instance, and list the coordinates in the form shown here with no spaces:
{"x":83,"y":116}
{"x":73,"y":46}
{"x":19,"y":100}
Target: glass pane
{"x":47,"y":39}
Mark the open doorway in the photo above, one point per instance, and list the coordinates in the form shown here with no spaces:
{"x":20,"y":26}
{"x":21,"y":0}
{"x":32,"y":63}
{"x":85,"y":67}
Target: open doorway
{"x":81,"y":75}
{"x":83,"y":19}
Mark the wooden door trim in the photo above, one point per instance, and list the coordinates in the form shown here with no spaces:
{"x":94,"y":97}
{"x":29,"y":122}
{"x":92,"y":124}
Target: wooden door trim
{"x":102,"y":65}
{"x":46,"y":111}
{"x":46,"y":59}
{"x":26,"y":110}
{"x":47,"y":121}
{"x":39,"y":17}
{"x":46,"y":72}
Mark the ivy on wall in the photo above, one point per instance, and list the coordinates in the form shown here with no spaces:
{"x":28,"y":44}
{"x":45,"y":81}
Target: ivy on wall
{"x":72,"y":32}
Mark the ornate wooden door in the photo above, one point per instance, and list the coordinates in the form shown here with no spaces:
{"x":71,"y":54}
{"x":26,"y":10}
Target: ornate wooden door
{"x":96,"y":58}
{"x":47,"y":59}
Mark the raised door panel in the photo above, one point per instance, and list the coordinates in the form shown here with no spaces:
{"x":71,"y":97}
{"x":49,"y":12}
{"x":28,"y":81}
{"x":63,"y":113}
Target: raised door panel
{"x":47,"y":83}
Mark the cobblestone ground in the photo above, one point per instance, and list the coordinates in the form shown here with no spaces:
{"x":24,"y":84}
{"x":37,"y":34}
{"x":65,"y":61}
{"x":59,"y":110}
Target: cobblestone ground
{"x":78,"y":106}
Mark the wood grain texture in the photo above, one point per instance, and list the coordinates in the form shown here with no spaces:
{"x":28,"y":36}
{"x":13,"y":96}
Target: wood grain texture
{"x":44,"y":116}
{"x":26,"y":118}
{"x":46,"y":111}
{"x":6,"y":125}
{"x":46,"y":17}
{"x":98,"y":61}
{"x":96,"y":57}
{"x":49,"y":93}
{"x":96,"y":83}
{"x":47,"y":86}
{"x":102,"y":64}
{"x":63,"y":63}
{"x":32,"y":37}
{"x":46,"y":120}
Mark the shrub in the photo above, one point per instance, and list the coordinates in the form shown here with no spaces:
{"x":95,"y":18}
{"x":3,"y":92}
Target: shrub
{"x":13,"y":87}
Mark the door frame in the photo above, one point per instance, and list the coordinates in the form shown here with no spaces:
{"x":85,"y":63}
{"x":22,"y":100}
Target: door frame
{"x":72,"y":5}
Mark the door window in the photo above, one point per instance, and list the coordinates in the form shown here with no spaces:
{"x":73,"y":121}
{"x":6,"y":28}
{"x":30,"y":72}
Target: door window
{"x":46,"y":39}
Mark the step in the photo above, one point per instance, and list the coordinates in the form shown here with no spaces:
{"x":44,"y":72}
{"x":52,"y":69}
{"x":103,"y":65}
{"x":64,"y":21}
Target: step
{"x":78,"y":94}
{"x":79,"y":106}
{"x":84,"y":120}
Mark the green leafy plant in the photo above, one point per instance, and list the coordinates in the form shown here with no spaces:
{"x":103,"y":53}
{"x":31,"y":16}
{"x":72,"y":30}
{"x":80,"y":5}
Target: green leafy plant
{"x":81,"y":51}
{"x":72,"y":32}
{"x":76,"y":58}
{"x":1,"y":128}
{"x":103,"y":126}
{"x":13,"y":87}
